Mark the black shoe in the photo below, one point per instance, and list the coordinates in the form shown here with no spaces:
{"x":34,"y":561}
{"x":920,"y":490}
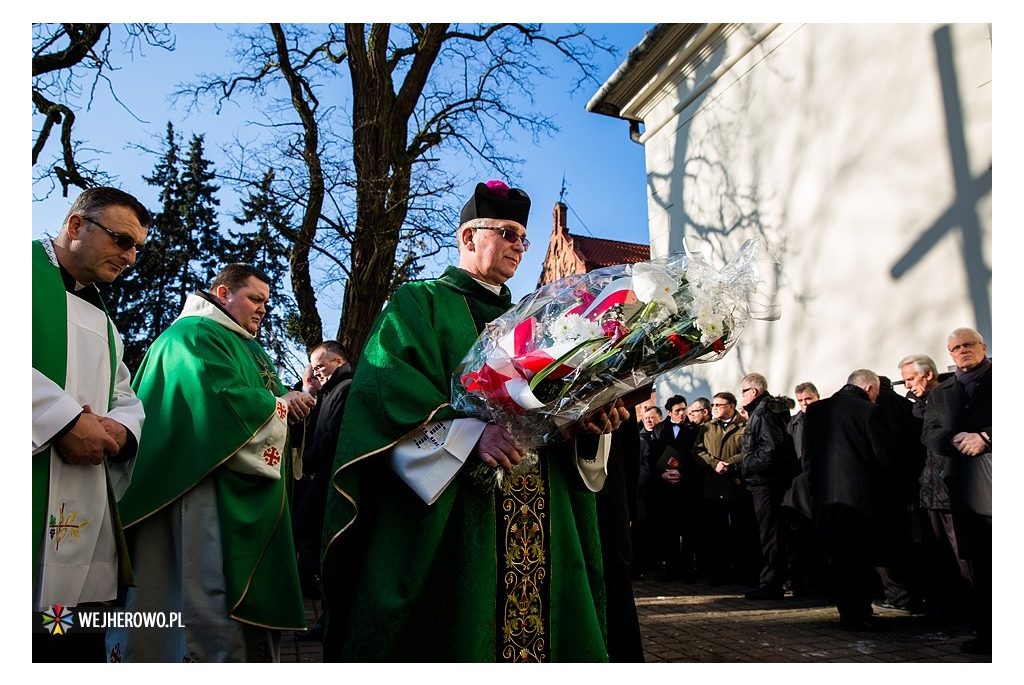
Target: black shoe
{"x":765,"y":592}
{"x":977,"y":646}
{"x":886,"y":604}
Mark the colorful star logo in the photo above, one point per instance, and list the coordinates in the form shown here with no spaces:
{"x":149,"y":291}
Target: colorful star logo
{"x":58,"y":619}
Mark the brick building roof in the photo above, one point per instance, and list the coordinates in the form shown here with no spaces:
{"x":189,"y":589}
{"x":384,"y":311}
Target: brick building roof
{"x":576,"y":254}
{"x":598,"y":252}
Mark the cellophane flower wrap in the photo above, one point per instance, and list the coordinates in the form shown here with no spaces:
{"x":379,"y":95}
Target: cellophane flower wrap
{"x":585,"y":340}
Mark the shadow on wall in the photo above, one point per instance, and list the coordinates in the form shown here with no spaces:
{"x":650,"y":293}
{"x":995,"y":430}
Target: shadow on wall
{"x":962,"y":213}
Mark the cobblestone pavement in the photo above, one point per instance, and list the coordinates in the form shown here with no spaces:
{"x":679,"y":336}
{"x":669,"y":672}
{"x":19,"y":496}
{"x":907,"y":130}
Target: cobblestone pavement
{"x":695,"y":623}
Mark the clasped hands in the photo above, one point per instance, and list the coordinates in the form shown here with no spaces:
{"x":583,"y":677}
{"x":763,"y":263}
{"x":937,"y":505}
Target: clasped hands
{"x":497,"y":447}
{"x":93,"y":438}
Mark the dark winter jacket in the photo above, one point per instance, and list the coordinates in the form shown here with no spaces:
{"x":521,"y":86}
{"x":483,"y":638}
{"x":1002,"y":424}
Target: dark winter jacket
{"x":798,"y":496}
{"x":849,"y":449}
{"x":937,"y":473}
{"x":769,"y":458}
{"x":319,"y":455}
{"x":908,"y":448}
{"x":950,"y":411}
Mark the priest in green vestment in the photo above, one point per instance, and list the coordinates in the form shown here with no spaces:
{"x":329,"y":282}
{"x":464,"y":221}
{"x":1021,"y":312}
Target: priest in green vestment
{"x":207,"y":512}
{"x":86,"y":419}
{"x":421,"y":561}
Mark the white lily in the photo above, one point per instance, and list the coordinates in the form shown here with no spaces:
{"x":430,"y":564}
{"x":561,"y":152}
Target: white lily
{"x":654,"y":285}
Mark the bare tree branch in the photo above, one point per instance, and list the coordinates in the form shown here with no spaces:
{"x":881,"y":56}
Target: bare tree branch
{"x":62,"y":54}
{"x":413,"y":96}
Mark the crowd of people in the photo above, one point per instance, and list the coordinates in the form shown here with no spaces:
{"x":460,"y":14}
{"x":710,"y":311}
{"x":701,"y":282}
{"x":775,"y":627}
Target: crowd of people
{"x":870,"y":497}
{"x":205,"y":488}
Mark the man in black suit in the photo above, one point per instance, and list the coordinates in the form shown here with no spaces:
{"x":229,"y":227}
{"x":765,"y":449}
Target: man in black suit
{"x":958,"y":423}
{"x":334,"y":373}
{"x":676,"y":477}
{"x":848,"y":449}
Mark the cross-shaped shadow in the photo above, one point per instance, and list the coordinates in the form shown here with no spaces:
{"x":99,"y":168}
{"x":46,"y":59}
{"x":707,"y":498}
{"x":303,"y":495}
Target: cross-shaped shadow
{"x":962,"y":213}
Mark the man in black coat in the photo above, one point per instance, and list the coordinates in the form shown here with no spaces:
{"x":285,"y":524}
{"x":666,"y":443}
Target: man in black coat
{"x":848,"y":449}
{"x":805,"y":572}
{"x":901,"y":578}
{"x":645,"y":531}
{"x":335,"y":376}
{"x":676,"y":478}
{"x":958,"y":424}
{"x":946,"y":578}
{"x":768,"y":466}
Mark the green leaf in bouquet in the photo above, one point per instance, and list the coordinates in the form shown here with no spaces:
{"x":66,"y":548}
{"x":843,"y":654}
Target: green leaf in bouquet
{"x":546,"y":371}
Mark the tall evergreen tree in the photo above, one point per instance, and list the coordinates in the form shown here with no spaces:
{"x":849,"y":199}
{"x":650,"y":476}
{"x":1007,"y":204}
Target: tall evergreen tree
{"x":198,"y":203}
{"x":268,"y":247}
{"x":183,"y":248}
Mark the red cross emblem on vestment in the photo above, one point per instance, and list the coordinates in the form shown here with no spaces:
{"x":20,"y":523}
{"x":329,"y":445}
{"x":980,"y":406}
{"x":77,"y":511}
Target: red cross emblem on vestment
{"x":282,"y":409}
{"x":272,"y":456}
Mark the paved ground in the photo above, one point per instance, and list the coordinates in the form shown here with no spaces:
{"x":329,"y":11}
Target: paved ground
{"x":694,"y":623}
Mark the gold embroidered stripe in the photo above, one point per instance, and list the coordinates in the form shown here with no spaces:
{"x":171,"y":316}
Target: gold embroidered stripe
{"x":523,"y":610}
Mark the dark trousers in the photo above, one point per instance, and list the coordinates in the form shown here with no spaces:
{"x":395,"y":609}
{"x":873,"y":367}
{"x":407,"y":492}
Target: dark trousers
{"x":851,"y":585}
{"x":978,"y":551}
{"x":676,"y":514}
{"x":308,"y":523}
{"x":734,"y":549}
{"x":805,"y":572}
{"x":946,"y":578}
{"x":645,"y":547}
{"x":901,"y":578}
{"x":768,"y":511}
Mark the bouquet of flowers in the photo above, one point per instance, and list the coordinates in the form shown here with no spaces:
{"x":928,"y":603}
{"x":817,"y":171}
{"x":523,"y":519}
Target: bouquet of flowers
{"x":588,"y":339}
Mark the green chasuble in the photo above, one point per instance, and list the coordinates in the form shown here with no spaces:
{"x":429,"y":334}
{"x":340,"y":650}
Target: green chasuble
{"x":479,"y":575}
{"x":207,"y":391}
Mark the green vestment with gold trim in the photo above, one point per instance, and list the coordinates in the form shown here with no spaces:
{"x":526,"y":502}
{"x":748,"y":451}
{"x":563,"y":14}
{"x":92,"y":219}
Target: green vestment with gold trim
{"x":465,"y":578}
{"x":207,"y":391}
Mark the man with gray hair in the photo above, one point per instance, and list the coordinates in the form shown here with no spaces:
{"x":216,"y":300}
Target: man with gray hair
{"x":421,"y":561}
{"x":945,"y":577}
{"x":848,"y":450}
{"x":958,"y":424}
{"x":768,"y":465}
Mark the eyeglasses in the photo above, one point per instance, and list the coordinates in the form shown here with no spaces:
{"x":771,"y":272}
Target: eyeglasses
{"x":721,"y":404}
{"x":965,"y":345}
{"x":323,"y":365}
{"x":696,"y":411}
{"x":509,"y":234}
{"x":121,"y":240}
{"x":745,"y":391}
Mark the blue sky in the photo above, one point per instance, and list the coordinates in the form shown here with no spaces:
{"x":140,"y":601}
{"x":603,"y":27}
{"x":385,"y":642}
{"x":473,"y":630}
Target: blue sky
{"x":602,"y":167}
